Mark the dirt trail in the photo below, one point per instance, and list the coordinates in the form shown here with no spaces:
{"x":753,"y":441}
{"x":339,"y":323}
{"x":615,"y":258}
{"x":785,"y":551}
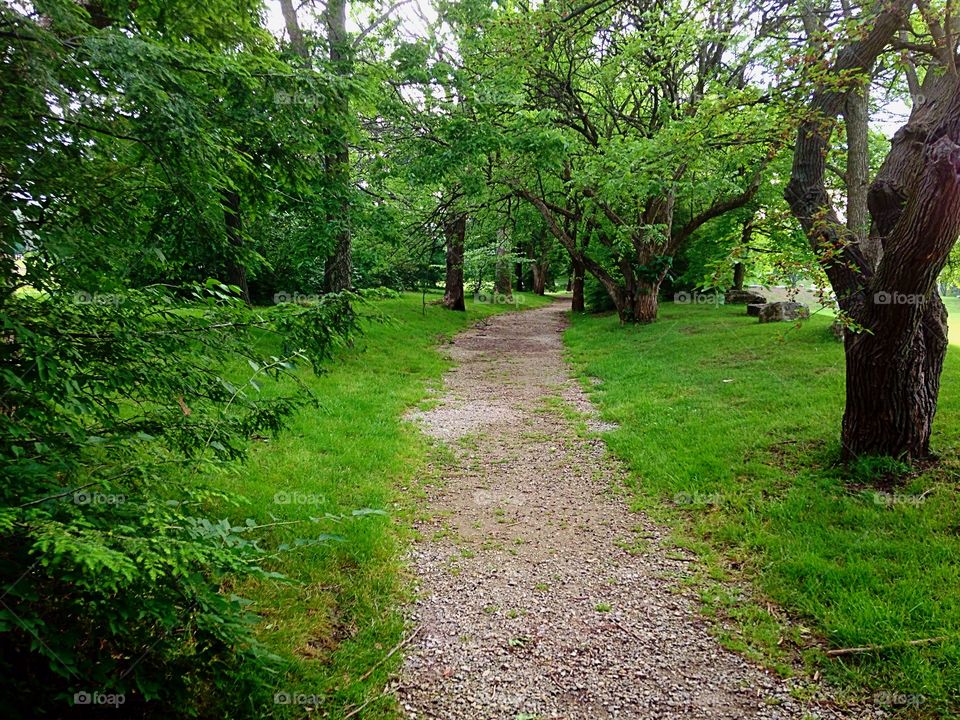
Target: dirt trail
{"x":541,"y":595}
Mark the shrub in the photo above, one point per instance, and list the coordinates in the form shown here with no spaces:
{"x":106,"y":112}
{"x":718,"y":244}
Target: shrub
{"x":116,"y":411}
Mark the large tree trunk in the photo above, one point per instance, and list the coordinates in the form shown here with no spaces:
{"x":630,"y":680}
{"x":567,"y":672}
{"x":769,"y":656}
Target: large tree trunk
{"x":739,"y":269}
{"x":538,"y":262}
{"x":894,"y":366}
{"x":892,"y":390}
{"x":856,"y":114}
{"x":339,"y":266}
{"x":518,"y":272}
{"x":901,"y":169}
{"x":455,"y":232}
{"x":917,"y":216}
{"x":539,"y":286}
{"x":915,"y":204}
{"x":294,"y":31}
{"x":641,"y":279}
{"x":576,"y":281}
{"x":739,"y":273}
{"x":645,"y":301}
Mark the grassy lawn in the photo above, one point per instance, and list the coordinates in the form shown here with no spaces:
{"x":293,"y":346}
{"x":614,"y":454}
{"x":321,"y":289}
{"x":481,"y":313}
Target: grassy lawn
{"x":953,"y":309}
{"x":731,"y":431}
{"x":339,"y":615}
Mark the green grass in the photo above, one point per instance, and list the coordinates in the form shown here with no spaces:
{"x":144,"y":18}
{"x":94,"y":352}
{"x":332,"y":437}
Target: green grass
{"x":340,"y":614}
{"x":953,"y":310}
{"x":730,"y":429}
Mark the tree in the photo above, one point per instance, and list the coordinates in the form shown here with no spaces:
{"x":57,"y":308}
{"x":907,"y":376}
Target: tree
{"x":894,"y":363}
{"x":137,"y":145}
{"x":625,"y":134}
{"x":455,"y":230}
{"x":434,"y":154}
{"x":539,"y":266}
{"x":502,"y":272}
{"x":339,"y":267}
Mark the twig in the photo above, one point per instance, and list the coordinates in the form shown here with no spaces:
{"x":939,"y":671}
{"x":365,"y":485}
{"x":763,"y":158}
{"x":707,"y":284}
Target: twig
{"x":627,"y":630}
{"x":361,"y":707}
{"x":874,"y":648}
{"x":379,"y":21}
{"x":57,"y":496}
{"x":390,"y":654}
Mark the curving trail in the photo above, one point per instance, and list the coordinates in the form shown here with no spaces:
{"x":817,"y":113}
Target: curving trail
{"x":541,"y":594}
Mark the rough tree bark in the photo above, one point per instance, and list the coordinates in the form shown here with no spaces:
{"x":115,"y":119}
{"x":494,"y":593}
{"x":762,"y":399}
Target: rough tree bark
{"x":538,"y":262}
{"x":578,"y":274}
{"x":856,"y":114}
{"x":641,"y":274}
{"x":916,"y":203}
{"x":646,"y":303}
{"x":294,"y":32}
{"x":339,"y":266}
{"x":455,"y":232}
{"x":578,"y":271}
{"x":893,"y":368}
{"x":739,"y":272}
{"x":539,"y":286}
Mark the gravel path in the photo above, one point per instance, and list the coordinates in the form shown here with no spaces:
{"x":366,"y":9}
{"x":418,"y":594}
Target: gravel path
{"x":541,"y":595}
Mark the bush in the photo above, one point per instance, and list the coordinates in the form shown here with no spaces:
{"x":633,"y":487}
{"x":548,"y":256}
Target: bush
{"x":117,"y":410}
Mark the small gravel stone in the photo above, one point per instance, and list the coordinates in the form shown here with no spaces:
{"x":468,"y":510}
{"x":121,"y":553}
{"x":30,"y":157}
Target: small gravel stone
{"x":530,"y":605}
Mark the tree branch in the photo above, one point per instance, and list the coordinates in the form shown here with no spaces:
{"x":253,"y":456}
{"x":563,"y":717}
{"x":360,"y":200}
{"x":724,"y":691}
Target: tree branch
{"x":379,"y":21}
{"x":806,"y":192}
{"x":569,"y":244}
{"x":607,"y":210}
{"x":719,"y":208}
